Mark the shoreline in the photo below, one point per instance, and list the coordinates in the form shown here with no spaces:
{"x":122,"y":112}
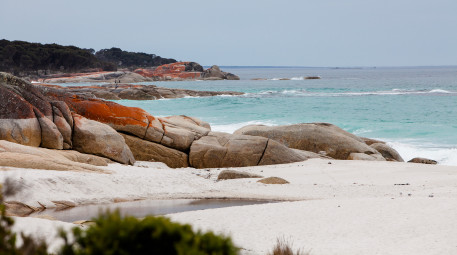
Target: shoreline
{"x":361,"y":188}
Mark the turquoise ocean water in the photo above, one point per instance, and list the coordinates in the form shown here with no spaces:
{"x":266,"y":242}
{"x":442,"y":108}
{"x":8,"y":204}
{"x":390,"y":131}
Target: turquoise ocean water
{"x":414,"y":109}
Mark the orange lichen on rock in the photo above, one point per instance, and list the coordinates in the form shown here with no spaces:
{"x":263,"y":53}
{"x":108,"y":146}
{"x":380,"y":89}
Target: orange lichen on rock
{"x":109,"y":112}
{"x":170,"y":71}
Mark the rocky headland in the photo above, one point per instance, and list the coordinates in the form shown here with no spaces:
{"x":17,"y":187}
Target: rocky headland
{"x":59,"y":118}
{"x":135,"y":92}
{"x":178,"y":71}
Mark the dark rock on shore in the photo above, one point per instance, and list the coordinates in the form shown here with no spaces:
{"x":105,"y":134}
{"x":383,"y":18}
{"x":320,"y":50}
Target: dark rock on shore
{"x":423,"y":161}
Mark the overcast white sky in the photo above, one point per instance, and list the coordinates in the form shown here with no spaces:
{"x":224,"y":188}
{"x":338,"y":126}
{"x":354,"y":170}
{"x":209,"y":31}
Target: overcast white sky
{"x":247,"y":32}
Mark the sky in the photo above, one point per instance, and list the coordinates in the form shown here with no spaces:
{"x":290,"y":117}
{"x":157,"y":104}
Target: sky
{"x":320,"y":33}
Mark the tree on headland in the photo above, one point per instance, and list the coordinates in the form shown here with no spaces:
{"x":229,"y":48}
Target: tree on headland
{"x":19,"y":57}
{"x":128,"y":59}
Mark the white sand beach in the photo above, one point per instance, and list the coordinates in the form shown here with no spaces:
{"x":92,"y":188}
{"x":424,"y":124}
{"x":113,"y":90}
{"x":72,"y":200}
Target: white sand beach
{"x":333,"y":207}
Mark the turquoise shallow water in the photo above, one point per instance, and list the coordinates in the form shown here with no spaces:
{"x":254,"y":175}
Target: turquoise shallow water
{"x":415,"y":109}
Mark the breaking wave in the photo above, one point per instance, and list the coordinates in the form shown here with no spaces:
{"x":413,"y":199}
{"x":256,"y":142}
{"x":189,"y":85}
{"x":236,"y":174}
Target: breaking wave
{"x":305,"y":93}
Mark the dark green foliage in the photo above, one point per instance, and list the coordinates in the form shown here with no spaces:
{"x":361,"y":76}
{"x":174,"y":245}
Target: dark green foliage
{"x":116,"y":235}
{"x":8,"y":238}
{"x":131,"y":59}
{"x":19,"y":56}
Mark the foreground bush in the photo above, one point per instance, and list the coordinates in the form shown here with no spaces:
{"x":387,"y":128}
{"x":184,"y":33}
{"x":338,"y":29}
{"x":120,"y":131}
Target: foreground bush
{"x":113,"y":234}
{"x":8,"y":244}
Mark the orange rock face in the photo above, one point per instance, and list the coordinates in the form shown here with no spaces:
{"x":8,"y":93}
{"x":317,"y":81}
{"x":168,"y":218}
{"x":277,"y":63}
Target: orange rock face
{"x":132,"y":120}
{"x":169,"y":71}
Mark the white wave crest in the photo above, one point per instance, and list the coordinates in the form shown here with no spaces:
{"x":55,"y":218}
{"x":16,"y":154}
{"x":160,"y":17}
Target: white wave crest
{"x":444,"y":156}
{"x":440,"y":91}
{"x":230,"y":128}
{"x":302,"y":92}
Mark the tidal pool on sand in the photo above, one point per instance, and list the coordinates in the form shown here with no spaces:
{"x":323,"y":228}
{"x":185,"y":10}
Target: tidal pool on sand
{"x":144,"y":208}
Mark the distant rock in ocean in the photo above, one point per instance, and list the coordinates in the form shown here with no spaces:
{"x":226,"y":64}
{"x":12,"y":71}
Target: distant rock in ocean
{"x":185,"y":71}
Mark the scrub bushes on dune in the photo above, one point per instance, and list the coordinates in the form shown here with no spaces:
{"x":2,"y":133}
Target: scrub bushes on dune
{"x":113,"y":234}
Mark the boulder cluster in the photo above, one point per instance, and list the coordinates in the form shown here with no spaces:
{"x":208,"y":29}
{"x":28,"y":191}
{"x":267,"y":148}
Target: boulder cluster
{"x":55,"y":118}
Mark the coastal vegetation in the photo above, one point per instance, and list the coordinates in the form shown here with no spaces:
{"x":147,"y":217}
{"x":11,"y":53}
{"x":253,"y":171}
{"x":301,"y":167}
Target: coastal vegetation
{"x":126,"y":59}
{"x":25,"y":58}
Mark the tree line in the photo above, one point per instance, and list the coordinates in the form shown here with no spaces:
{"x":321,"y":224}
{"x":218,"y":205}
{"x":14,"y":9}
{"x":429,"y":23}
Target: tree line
{"x":20,"y":57}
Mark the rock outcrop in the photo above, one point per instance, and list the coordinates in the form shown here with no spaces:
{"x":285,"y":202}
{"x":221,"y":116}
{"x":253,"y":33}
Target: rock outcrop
{"x":148,"y":151}
{"x":387,"y":152}
{"x":219,"y":149}
{"x":423,"y":161}
{"x":215,"y":73}
{"x":36,"y":116}
{"x":185,"y":71}
{"x":136,"y":92}
{"x":60,"y":118}
{"x":315,"y":137}
{"x":96,"y":138}
{"x":116,"y":76}
{"x":21,"y":156}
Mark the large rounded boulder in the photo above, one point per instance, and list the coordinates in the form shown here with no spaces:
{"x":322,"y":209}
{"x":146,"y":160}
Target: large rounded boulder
{"x":315,"y":137}
{"x":96,"y":138}
{"x":219,"y":149}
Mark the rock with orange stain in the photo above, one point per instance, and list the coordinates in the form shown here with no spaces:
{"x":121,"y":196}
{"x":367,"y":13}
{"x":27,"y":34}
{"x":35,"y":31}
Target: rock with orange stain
{"x":185,"y":71}
{"x":26,"y":116}
{"x":174,"y":71}
{"x":96,"y":138}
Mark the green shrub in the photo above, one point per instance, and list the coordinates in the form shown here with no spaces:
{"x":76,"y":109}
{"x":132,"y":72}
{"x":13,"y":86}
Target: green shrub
{"x":115,"y":235}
